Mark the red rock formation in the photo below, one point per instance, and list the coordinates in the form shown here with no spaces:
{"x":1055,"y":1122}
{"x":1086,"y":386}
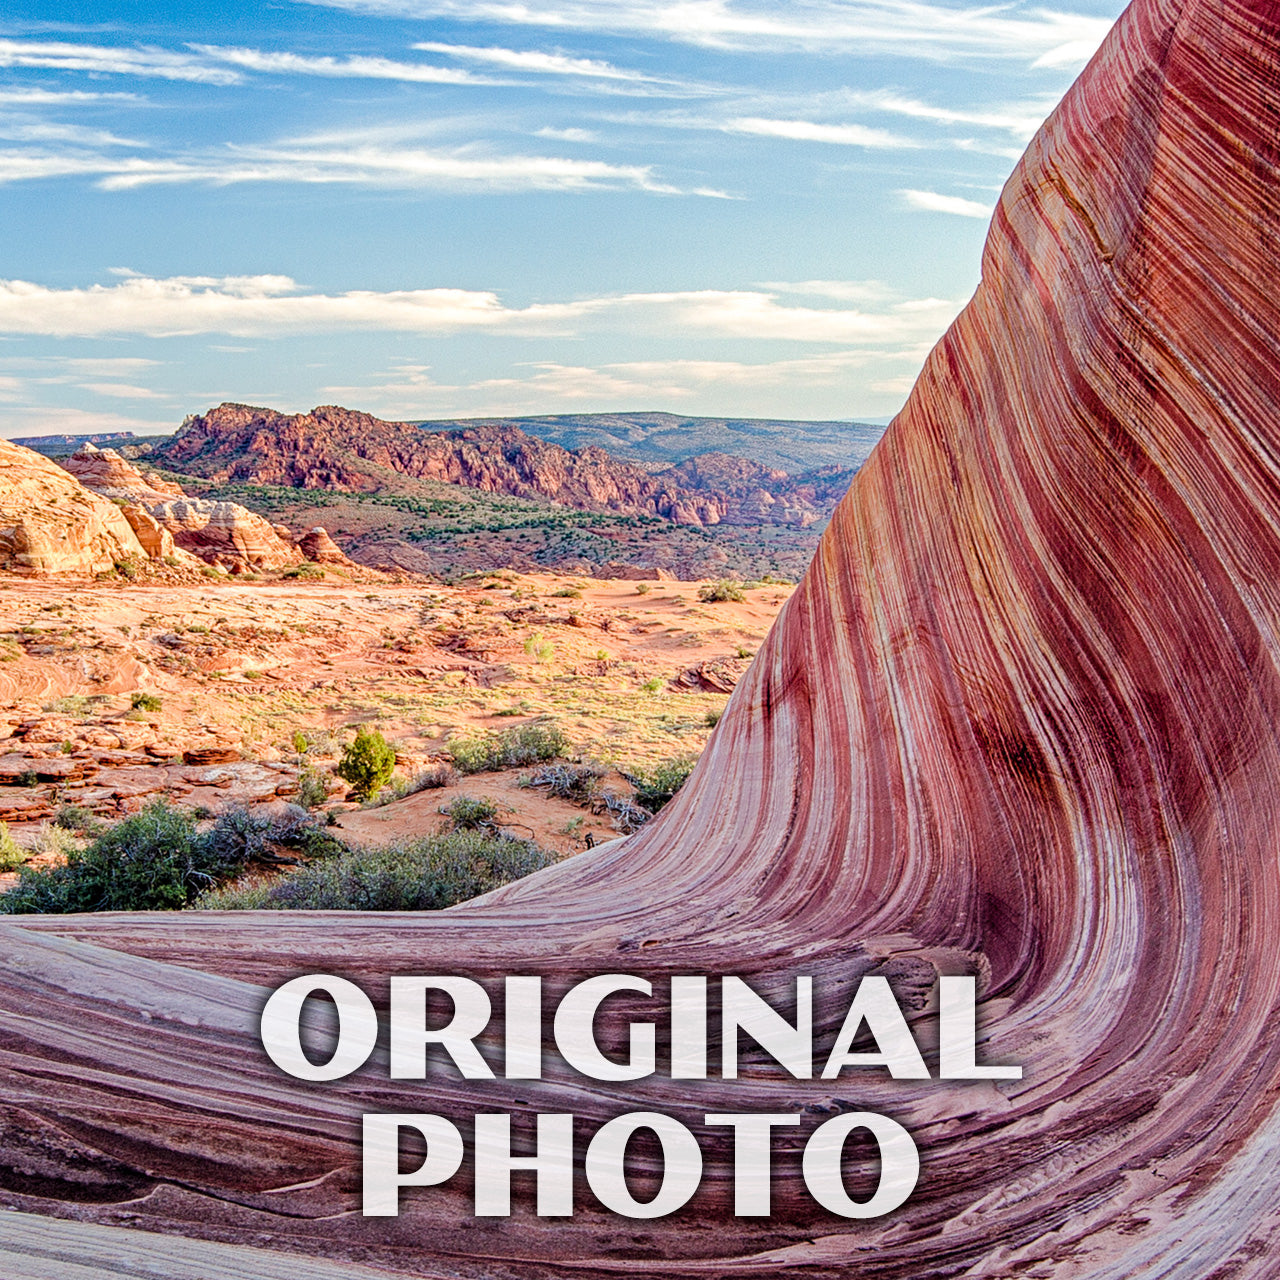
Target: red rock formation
{"x":106,"y":472}
{"x":319,"y":548}
{"x":162,"y":516}
{"x":340,"y":449}
{"x":49,"y":523}
{"x":1020,"y":718}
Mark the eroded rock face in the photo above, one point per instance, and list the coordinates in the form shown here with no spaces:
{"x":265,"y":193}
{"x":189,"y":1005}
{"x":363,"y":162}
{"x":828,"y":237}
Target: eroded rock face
{"x":163,"y":516}
{"x":107,"y":473}
{"x":224,"y":532}
{"x":50,"y":523}
{"x":1019,"y":720}
{"x":319,"y":548}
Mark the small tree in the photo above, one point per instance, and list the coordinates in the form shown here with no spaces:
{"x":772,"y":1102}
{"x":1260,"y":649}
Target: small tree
{"x":367,"y":763}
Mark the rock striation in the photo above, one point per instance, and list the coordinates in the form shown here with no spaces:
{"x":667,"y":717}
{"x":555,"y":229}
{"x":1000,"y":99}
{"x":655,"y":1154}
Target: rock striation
{"x":163,"y":517}
{"x":49,"y":523}
{"x":1018,"y":720}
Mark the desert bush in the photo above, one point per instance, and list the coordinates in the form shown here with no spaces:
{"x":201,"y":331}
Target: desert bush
{"x":712,"y":717}
{"x":75,"y":817}
{"x":538,"y":648}
{"x":719,"y":592}
{"x":312,"y":790}
{"x":304,"y":570}
{"x":12,"y":854}
{"x":155,"y":860}
{"x":432,"y":778}
{"x":656,"y":785}
{"x":652,"y":685}
{"x":525,"y":744}
{"x":427,"y":874}
{"x":577,"y":783}
{"x":367,"y":763}
{"x":470,"y":813}
{"x":145,"y":702}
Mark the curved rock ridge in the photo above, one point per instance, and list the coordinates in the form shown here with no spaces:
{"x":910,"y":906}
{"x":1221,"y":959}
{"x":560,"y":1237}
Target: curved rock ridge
{"x":1019,"y":719}
{"x":49,"y":523}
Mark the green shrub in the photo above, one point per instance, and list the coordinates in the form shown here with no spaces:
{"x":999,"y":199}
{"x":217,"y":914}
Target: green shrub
{"x":145,"y":702}
{"x":652,"y":685}
{"x":538,"y":648}
{"x":155,"y":860}
{"x":525,"y":744}
{"x":367,"y":763}
{"x":304,"y":570}
{"x":718,"y":592}
{"x":12,"y":854}
{"x":427,"y":874}
{"x":712,"y":717}
{"x":75,"y":817}
{"x":468,"y":813}
{"x":312,"y":791}
{"x":656,"y":785}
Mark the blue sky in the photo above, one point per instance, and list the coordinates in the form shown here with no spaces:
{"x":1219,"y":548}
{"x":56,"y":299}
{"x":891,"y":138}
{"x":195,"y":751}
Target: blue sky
{"x":430,"y":208}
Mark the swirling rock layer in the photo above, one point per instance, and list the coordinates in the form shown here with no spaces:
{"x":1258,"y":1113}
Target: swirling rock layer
{"x":51,"y":524}
{"x":1020,"y":719}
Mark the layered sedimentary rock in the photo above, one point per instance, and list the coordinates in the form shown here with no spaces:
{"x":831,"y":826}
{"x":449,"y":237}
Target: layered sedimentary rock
{"x":1019,"y":720}
{"x":49,"y":523}
{"x":222,"y":533}
{"x":319,"y":548}
{"x":106,"y":472}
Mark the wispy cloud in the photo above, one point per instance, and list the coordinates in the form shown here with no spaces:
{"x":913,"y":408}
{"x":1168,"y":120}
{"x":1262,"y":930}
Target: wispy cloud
{"x":357,"y":163}
{"x":910,"y":28}
{"x":164,"y":64}
{"x":844,"y":135}
{"x":22,"y":96}
{"x":350,"y":67}
{"x":934,"y":202}
{"x":412,"y":390}
{"x":277,"y":306}
{"x":533,"y":60}
{"x":1020,"y":119}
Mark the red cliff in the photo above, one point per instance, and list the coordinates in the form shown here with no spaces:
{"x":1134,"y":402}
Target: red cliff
{"x":1019,"y":719}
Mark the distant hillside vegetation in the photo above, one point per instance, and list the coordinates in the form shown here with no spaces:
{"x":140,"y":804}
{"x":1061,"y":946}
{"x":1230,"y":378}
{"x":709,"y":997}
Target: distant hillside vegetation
{"x":779,"y":443}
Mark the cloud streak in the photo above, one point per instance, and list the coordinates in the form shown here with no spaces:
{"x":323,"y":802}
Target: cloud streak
{"x":58,"y":55}
{"x":934,"y":202}
{"x":258,"y":306}
{"x":909,"y":28}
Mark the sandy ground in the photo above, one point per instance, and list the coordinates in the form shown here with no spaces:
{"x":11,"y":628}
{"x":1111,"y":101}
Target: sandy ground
{"x":237,"y":676}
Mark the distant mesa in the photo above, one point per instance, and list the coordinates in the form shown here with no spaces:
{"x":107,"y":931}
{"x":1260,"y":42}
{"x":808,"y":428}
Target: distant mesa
{"x":345,"y":451}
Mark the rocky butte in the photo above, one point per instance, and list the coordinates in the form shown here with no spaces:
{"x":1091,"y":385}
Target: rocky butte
{"x":350,"y":452}
{"x":1020,"y":719}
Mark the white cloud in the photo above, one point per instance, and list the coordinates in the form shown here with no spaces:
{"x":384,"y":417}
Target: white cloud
{"x":137,"y":61}
{"x":567,"y":135}
{"x":275,"y":306}
{"x":906,"y":27}
{"x":358,"y":164}
{"x":1020,"y":119}
{"x":11,"y":95}
{"x":410,"y":391}
{"x":121,"y":391}
{"x":533,"y":60}
{"x":934,"y":202}
{"x":845,"y":135}
{"x":351,"y":67}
